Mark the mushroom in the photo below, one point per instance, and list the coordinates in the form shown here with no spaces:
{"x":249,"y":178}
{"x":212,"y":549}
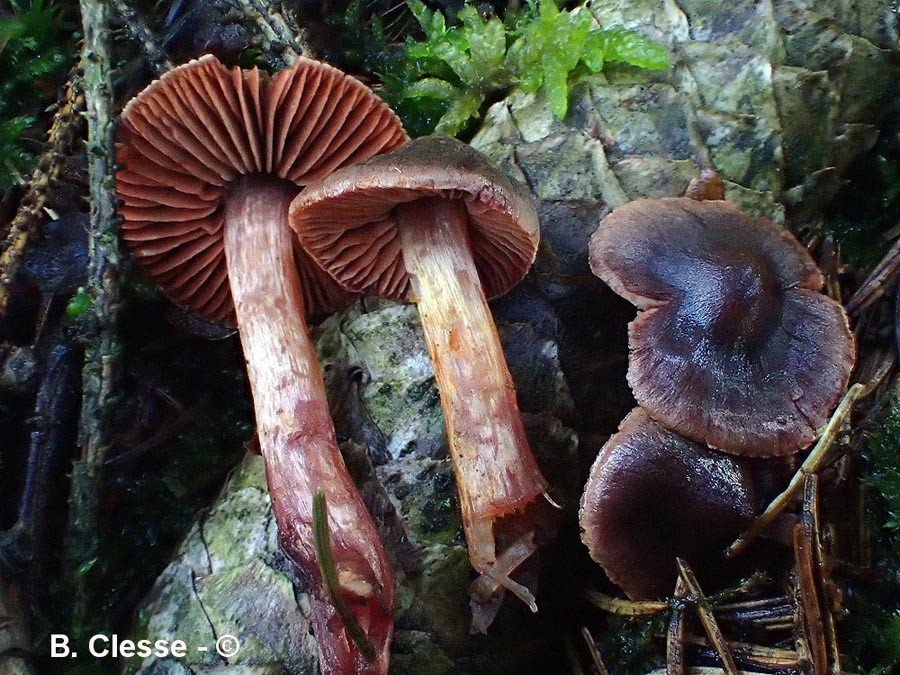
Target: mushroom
{"x":212,"y":158}
{"x":733,"y":345}
{"x":652,"y":496}
{"x":436,"y":224}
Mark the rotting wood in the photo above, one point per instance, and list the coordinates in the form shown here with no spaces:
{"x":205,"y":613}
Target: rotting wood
{"x":811,"y":465}
{"x":710,"y":625}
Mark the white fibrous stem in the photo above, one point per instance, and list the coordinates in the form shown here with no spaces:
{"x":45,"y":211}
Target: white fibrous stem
{"x":496,"y":474}
{"x":296,"y":434}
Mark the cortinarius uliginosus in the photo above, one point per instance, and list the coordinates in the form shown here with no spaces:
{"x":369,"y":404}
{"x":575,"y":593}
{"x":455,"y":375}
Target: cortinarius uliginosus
{"x":436,"y":224}
{"x":212,"y":158}
{"x":734,"y":346}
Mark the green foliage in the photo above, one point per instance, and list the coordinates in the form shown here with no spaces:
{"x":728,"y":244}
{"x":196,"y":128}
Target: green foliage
{"x":462,"y":67}
{"x":630,"y":645}
{"x":33,"y":53}
{"x":875,"y":639}
{"x":79,"y":303}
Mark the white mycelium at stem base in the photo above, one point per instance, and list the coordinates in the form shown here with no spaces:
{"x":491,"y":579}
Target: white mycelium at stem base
{"x":496,"y":473}
{"x":296,"y":433}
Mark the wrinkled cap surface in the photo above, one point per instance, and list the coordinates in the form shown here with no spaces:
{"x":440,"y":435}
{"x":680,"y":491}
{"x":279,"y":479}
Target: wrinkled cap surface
{"x":347,"y":224}
{"x":189,"y":134}
{"x":652,"y":496}
{"x":733,"y":345}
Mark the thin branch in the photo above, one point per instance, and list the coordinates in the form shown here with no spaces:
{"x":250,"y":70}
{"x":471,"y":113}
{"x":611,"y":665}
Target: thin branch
{"x":594,"y":651}
{"x":877,"y":283}
{"x":624,"y":607}
{"x":101,"y":340}
{"x":813,"y":463}
{"x":675,"y":635}
{"x":710,"y":625}
{"x":808,"y":598}
{"x":140,"y":34}
{"x":274,"y":28}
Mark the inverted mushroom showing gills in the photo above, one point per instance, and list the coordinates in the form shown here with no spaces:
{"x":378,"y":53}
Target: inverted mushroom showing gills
{"x":733,"y":345}
{"x":434,"y":223}
{"x":212,"y":158}
{"x":652,"y":496}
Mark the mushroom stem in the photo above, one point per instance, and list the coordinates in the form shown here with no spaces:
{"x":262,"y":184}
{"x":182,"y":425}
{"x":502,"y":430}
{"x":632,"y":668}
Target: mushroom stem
{"x":296,"y":433}
{"x":496,"y":474}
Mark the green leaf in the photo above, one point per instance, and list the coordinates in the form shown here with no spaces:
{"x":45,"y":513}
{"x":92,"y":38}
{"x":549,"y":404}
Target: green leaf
{"x":626,"y":46}
{"x":79,"y":303}
{"x":556,"y":85}
{"x":465,"y":107}
{"x":466,"y":64}
{"x":432,"y":22}
{"x":432,"y":87}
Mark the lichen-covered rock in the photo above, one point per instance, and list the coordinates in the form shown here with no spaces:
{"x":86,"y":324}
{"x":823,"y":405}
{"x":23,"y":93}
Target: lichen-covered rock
{"x":779,"y":97}
{"x":228,"y":576}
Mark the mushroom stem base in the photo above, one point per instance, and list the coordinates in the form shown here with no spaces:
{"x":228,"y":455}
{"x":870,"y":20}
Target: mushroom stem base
{"x":496,"y":474}
{"x":296,"y":434}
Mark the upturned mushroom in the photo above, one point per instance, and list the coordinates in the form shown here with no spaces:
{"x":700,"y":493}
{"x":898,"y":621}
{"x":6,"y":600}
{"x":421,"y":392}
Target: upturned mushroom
{"x":436,"y":224}
{"x":212,"y":158}
{"x":734,"y":346}
{"x":652,"y":496}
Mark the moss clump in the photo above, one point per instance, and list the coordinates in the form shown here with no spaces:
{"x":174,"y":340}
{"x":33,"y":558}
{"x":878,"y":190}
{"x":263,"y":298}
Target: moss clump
{"x":875,"y":639}
{"x":33,"y":59}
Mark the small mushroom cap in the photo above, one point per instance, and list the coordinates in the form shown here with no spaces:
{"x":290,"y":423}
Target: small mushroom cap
{"x":734,"y":346}
{"x":652,"y":496}
{"x":199,"y":127}
{"x":347,"y":224}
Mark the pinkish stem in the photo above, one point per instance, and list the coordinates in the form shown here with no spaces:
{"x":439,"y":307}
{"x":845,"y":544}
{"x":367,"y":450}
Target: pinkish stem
{"x":496,"y":474}
{"x":296,"y":434}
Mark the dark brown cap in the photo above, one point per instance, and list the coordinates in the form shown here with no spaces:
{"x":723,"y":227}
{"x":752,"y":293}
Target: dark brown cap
{"x":346,"y":220}
{"x":652,"y":496}
{"x":186,"y":136}
{"x":734,"y":346}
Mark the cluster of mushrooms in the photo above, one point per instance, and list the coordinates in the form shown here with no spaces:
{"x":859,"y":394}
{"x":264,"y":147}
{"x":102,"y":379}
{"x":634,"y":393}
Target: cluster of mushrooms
{"x":212,"y":159}
{"x":734,"y":354}
{"x":258,"y":201}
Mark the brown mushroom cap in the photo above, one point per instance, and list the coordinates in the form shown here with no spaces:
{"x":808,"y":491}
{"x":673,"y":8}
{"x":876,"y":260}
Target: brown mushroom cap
{"x":185,"y":137}
{"x":734,"y":346}
{"x":653,"y":495}
{"x":346,"y":221}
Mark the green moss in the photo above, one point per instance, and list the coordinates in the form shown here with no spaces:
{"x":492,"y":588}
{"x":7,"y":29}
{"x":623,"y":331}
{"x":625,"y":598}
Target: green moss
{"x":34,"y":52}
{"x":875,"y":639}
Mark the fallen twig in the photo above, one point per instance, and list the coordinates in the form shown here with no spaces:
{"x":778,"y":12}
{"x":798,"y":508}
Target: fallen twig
{"x":274,"y":27}
{"x":813,"y":463}
{"x":710,"y":625}
{"x":877,"y":282}
{"x":594,"y":651}
{"x":137,"y":30}
{"x":101,"y":340}
{"x":624,"y":607}
{"x":675,"y":635}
